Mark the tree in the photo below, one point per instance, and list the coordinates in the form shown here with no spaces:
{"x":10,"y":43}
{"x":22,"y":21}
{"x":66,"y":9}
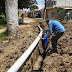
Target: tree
{"x":21,"y":4}
{"x":2,"y":6}
{"x":12,"y":15}
{"x":26,"y":3}
{"x":33,"y":7}
{"x":12,"y":12}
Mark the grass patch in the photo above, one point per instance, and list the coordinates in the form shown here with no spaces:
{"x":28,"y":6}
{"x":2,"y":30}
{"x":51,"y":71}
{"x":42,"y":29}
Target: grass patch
{"x":4,"y":35}
{"x":2,"y":27}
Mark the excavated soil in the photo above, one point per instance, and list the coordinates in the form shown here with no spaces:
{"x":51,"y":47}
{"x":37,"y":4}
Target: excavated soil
{"x":12,"y":49}
{"x":61,"y":61}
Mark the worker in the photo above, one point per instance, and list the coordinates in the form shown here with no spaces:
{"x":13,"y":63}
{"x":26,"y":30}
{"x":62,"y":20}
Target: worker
{"x":58,"y":30}
{"x":67,"y":19}
{"x":44,"y":39}
{"x":22,"y":16}
{"x":60,"y":15}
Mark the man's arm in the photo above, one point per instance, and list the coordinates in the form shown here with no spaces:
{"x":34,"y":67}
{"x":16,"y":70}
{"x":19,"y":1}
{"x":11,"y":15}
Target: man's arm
{"x":50,"y":29}
{"x":41,"y":38}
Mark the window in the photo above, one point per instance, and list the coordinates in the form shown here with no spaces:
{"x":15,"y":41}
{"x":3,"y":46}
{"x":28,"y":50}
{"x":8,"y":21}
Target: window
{"x":50,"y":3}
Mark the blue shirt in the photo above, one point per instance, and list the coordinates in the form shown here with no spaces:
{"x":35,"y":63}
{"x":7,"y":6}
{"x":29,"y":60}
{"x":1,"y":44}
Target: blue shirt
{"x":45,"y":41}
{"x":55,"y":26}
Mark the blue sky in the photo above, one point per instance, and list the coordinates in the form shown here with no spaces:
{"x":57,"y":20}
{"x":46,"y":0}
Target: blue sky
{"x":40,"y":4}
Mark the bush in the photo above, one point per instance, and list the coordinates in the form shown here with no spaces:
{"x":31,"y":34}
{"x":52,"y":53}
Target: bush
{"x":4,"y":35}
{"x":7,"y":33}
{"x":2,"y":19}
{"x":2,"y":27}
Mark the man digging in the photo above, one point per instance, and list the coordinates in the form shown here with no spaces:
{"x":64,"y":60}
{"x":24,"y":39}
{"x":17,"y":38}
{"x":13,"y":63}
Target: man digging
{"x":58,"y":31}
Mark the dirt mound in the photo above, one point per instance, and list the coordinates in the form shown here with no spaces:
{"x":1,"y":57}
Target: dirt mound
{"x":61,"y":61}
{"x":57,"y":63}
{"x":12,"y":49}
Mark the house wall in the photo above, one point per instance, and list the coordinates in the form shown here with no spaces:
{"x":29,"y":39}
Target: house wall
{"x":63,"y":13}
{"x":22,"y":11}
{"x":50,"y":3}
{"x":63,"y":3}
{"x":59,"y":3}
{"x":50,"y":10}
{"x":50,"y":13}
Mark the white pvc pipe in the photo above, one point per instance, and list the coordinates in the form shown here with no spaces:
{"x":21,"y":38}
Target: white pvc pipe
{"x":15,"y":67}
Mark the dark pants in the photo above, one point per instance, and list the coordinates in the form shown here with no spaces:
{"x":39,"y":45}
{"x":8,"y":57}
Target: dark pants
{"x":44,"y":48}
{"x":54,"y":40}
{"x":67,"y":18}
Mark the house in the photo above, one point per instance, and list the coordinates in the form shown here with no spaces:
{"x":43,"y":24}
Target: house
{"x":22,"y":11}
{"x":36,"y":13}
{"x":54,"y":7}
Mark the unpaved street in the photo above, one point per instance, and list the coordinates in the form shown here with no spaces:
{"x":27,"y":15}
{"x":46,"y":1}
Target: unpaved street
{"x":12,"y":49}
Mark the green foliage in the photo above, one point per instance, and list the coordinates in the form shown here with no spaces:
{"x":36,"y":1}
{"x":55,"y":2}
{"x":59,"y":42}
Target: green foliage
{"x":2,"y":7}
{"x":26,"y":3}
{"x":2,"y":27}
{"x":21,"y":4}
{"x":33,"y":7}
{"x":18,"y":13}
{"x":7,"y":33}
{"x":2,"y":19}
{"x":4,"y":35}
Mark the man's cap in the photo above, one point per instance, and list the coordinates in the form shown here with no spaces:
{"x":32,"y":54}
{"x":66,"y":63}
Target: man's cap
{"x":47,"y":20}
{"x":44,"y":31}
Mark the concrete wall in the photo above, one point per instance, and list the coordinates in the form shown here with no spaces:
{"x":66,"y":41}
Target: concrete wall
{"x":50,"y":13}
{"x":22,"y":11}
{"x":63,"y":13}
{"x":63,"y":2}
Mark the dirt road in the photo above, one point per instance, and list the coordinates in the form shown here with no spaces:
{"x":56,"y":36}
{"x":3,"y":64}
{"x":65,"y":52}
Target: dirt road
{"x":62,"y":61}
{"x":11,"y":50}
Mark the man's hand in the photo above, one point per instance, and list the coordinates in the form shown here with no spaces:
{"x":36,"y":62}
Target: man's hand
{"x":41,"y":37}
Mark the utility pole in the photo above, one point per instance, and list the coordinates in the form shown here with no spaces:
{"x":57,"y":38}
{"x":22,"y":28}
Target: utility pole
{"x":45,"y":10}
{"x":53,"y":2}
{"x":45,"y":4}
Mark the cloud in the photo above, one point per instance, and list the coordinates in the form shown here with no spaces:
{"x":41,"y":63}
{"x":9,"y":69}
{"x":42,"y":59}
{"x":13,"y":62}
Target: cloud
{"x":41,"y":6}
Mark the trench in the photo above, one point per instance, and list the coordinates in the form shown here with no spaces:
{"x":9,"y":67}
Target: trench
{"x":35,"y":60}
{"x":58,"y":62}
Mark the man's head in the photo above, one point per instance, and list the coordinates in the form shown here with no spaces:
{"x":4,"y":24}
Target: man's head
{"x":47,"y":21}
{"x":44,"y":32}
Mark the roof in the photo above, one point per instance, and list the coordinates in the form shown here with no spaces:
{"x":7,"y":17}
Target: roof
{"x":65,"y":7}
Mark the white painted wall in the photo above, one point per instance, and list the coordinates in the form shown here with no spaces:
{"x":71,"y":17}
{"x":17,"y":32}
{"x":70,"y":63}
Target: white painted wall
{"x":20,"y":12}
{"x":63,"y":2}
